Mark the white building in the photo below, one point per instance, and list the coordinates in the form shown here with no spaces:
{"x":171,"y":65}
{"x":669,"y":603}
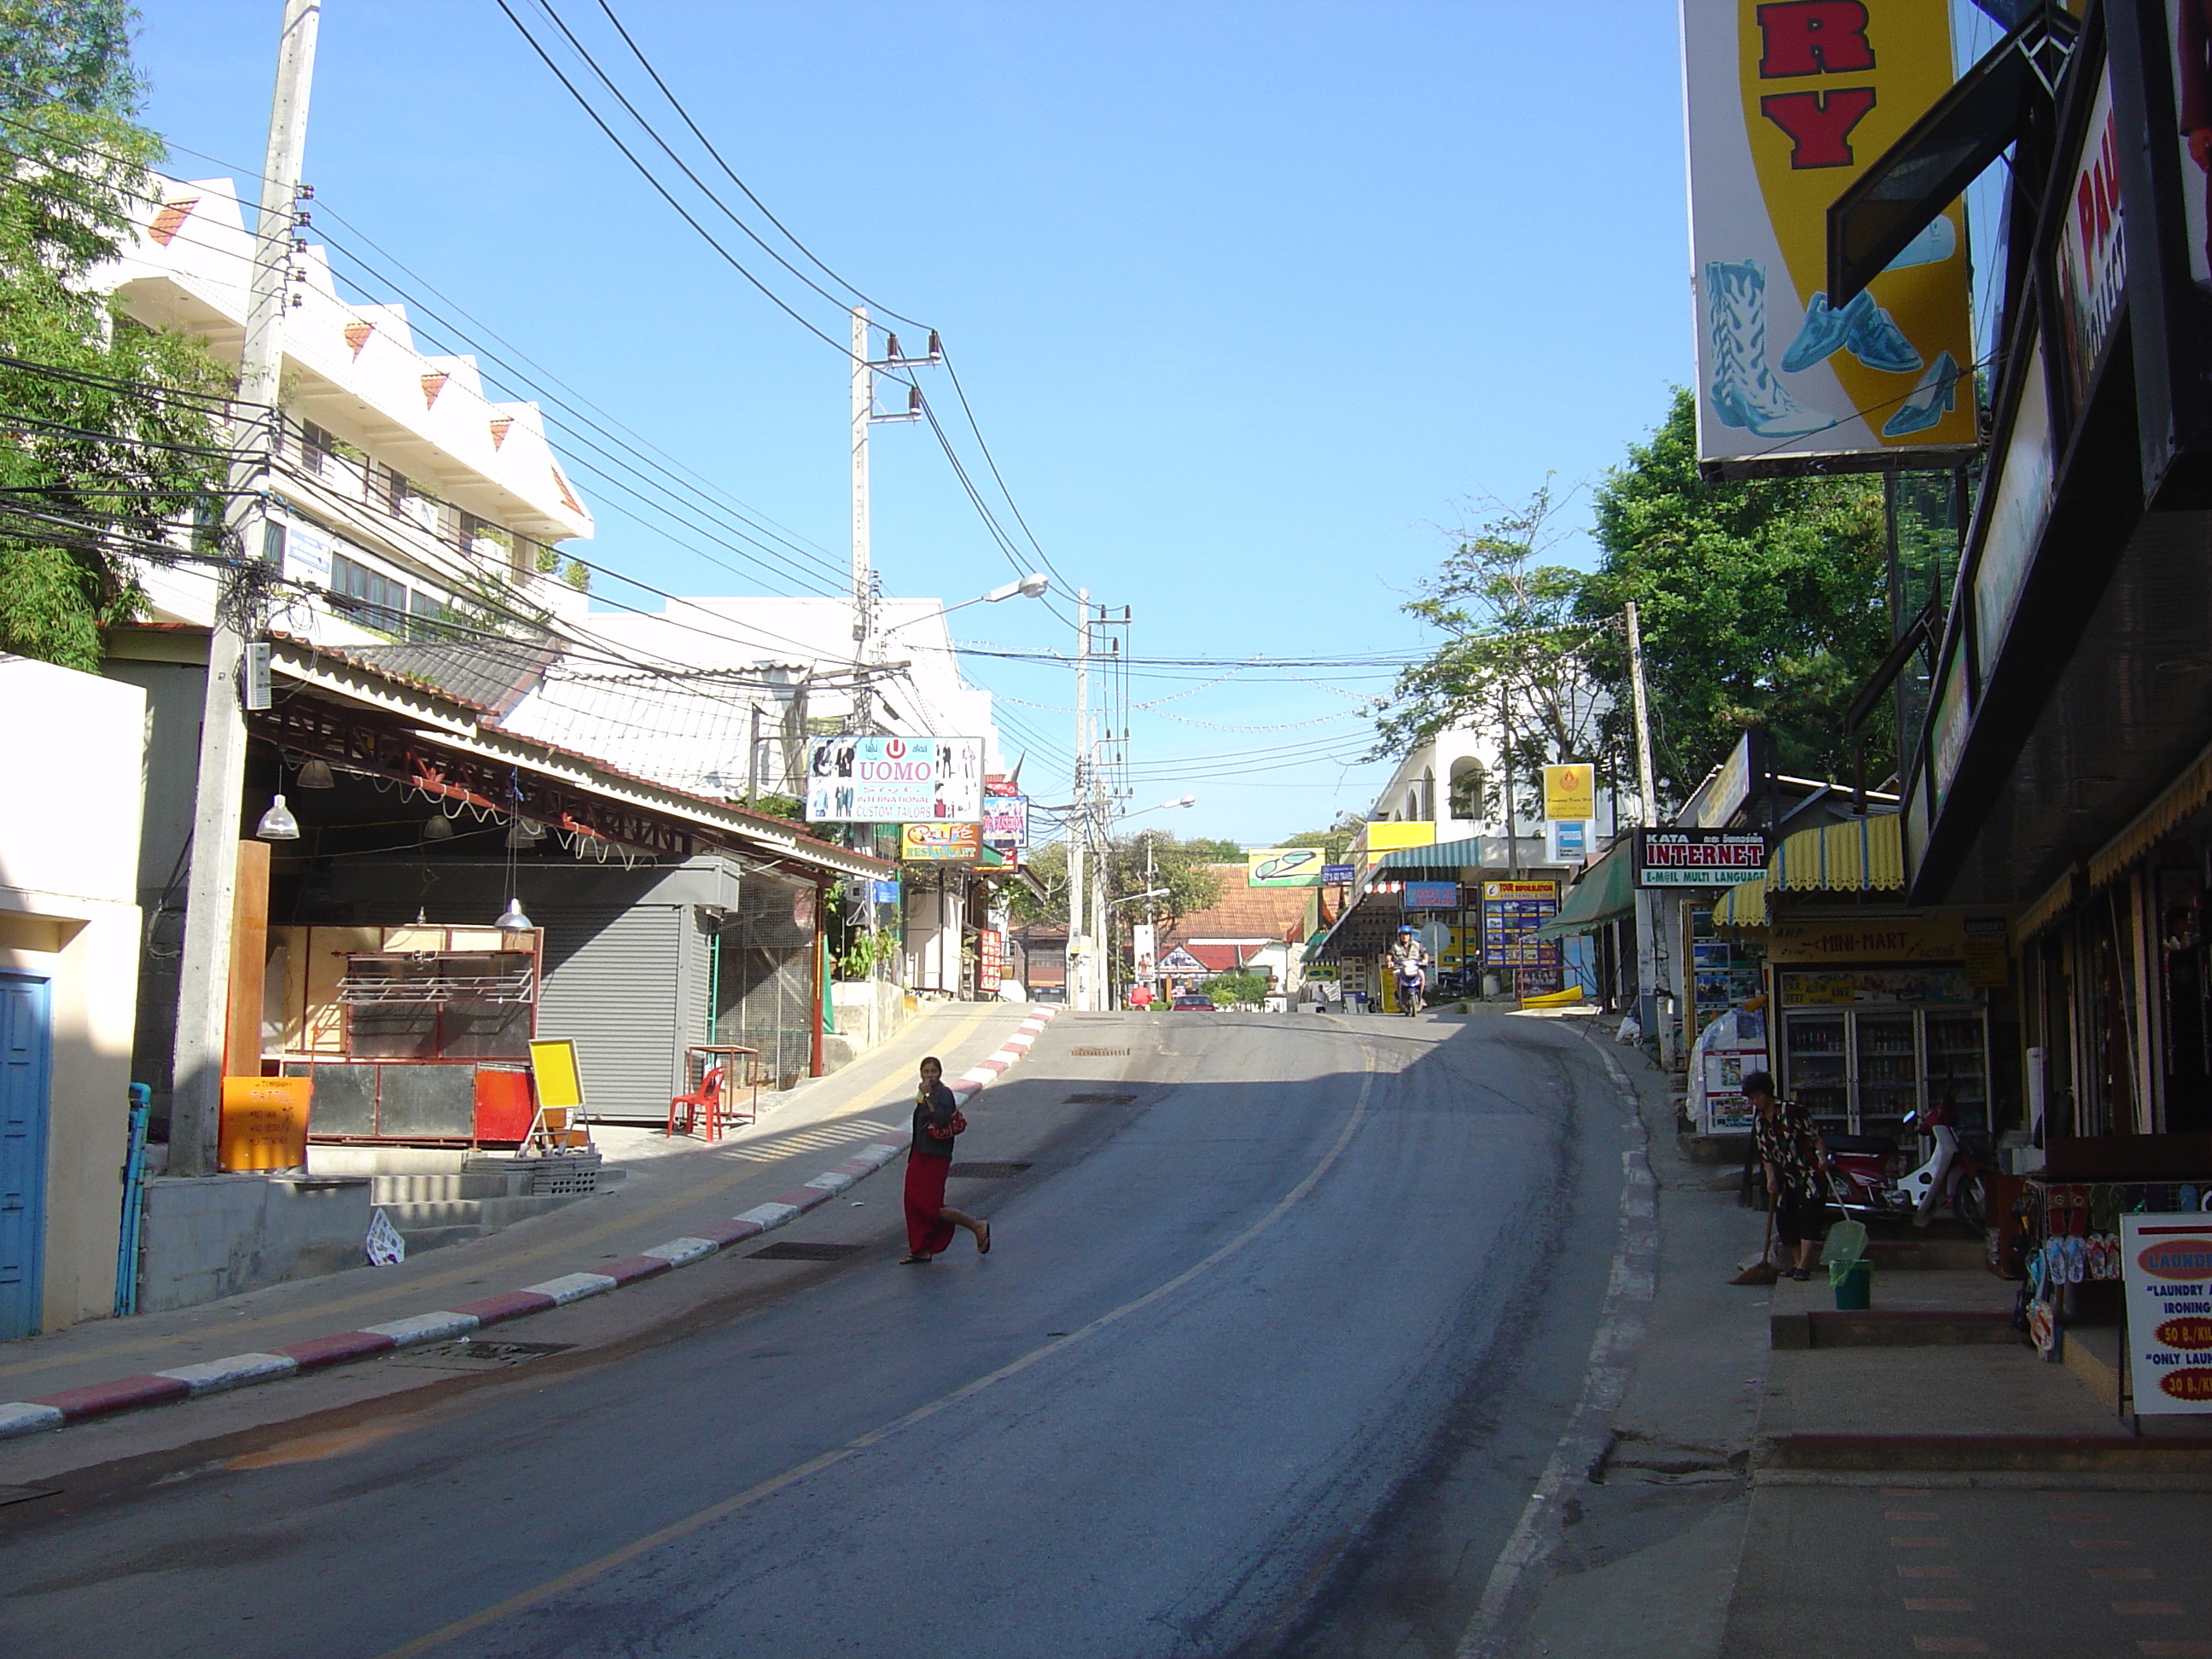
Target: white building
{"x":409,"y":497}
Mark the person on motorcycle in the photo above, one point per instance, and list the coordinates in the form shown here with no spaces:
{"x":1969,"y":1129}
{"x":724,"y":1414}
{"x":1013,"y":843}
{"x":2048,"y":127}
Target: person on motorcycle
{"x":1786,"y":1143}
{"x":1409,"y":965}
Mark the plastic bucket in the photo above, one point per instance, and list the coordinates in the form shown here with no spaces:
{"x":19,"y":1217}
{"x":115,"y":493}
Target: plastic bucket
{"x":1854,"y":1286}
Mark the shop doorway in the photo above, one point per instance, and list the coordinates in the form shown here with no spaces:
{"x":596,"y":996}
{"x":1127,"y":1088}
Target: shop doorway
{"x":25,"y":1073}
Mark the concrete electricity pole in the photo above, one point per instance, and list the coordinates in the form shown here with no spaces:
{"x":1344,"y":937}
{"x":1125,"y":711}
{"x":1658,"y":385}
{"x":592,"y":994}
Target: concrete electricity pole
{"x":1650,"y":977}
{"x":864,"y":414}
{"x":203,"y":970}
{"x":867,"y":641}
{"x":1078,"y":821}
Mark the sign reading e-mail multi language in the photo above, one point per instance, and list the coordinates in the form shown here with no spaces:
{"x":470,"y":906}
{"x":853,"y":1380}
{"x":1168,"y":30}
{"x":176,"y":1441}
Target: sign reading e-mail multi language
{"x":1788,"y":103}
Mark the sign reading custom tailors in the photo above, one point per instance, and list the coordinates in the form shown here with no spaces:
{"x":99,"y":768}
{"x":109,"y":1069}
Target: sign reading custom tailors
{"x":940,"y":843}
{"x":1699,"y":858}
{"x":853,"y":780}
{"x":2166,"y":1264}
{"x":1788,"y":103}
{"x":1284,"y":866}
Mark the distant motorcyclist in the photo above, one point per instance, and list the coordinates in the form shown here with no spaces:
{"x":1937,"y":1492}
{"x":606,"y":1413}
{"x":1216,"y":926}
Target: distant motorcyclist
{"x":1409,"y":966}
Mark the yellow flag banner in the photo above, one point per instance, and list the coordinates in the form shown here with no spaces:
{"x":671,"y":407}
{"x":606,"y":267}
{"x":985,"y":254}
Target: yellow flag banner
{"x":1788,"y":103}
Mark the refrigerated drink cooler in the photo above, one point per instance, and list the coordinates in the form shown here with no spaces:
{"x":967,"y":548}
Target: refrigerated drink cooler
{"x":1862,"y":1050}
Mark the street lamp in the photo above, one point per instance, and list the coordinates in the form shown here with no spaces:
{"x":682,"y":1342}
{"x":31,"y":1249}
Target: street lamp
{"x":1032,"y":586}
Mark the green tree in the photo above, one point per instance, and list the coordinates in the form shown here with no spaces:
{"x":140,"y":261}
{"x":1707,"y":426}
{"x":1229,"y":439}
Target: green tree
{"x":1335,"y":841}
{"x":1513,"y":664}
{"x":1243,"y":987}
{"x":1179,"y":866}
{"x":86,"y":394}
{"x":1762,"y":603}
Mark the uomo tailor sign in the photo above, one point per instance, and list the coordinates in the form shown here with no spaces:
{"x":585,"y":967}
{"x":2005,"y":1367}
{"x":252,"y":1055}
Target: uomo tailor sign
{"x":855,"y":780}
{"x":1788,"y":103}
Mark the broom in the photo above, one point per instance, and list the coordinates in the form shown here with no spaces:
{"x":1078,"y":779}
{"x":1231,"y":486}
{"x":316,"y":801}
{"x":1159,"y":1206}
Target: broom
{"x":1762,"y":1272}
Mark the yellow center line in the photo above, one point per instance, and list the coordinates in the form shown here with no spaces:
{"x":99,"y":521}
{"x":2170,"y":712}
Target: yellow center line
{"x":691,"y":1523}
{"x":564,"y":1244}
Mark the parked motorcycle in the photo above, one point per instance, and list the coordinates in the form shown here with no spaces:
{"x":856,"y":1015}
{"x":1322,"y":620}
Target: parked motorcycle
{"x":1954,"y":1174}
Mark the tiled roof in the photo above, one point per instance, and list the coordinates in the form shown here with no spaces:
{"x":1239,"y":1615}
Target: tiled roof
{"x":1242,"y":912}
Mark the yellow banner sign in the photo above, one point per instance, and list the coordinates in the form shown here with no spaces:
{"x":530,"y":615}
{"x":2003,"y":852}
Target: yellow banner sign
{"x":1789,"y":104}
{"x":1570,"y":792}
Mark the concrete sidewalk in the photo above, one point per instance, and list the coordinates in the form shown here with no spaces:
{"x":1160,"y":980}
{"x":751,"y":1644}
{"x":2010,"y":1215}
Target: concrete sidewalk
{"x":667,"y":1193}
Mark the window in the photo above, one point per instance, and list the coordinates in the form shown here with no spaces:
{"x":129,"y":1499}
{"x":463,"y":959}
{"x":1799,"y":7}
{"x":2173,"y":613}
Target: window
{"x":372,"y":600}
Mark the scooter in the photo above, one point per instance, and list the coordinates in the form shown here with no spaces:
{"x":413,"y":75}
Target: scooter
{"x":1953,"y":1173}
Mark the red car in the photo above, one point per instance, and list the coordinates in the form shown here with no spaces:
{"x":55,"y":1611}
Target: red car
{"x":1198,"y":1004}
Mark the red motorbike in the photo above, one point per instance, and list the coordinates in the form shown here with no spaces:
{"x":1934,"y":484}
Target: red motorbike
{"x":1955,"y":1173}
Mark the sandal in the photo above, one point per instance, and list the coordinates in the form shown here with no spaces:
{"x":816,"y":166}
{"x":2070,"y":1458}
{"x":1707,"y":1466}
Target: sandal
{"x":983,"y":1238}
{"x":916,"y":1261}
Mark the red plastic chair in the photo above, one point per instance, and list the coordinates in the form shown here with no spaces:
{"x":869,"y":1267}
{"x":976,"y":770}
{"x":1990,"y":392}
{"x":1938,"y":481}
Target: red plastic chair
{"x":706,"y":1098}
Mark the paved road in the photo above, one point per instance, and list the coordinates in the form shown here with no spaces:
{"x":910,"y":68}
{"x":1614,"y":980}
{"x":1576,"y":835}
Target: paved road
{"x":1271,"y":1347}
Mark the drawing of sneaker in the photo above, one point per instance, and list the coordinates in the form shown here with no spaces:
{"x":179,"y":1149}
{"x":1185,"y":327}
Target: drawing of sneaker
{"x":1744,"y":392}
{"x":1934,"y":396}
{"x":1874,"y":338}
{"x":1818,"y":337}
{"x":1937,"y":241}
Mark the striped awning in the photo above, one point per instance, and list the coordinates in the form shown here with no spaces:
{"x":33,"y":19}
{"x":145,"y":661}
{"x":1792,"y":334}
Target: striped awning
{"x":1858,"y":855}
{"x":1743,"y":907}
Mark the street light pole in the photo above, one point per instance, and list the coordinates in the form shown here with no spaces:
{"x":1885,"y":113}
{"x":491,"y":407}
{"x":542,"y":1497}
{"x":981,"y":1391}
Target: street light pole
{"x":203,"y":965}
{"x":1649,"y":971}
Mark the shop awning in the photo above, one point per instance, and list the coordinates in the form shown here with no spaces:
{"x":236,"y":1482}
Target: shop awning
{"x":1606,"y":893}
{"x":1442,"y":855}
{"x":1859,"y":855}
{"x":1743,"y":907}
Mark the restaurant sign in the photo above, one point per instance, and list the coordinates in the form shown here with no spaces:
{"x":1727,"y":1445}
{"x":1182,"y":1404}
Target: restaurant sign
{"x":1699,"y":858}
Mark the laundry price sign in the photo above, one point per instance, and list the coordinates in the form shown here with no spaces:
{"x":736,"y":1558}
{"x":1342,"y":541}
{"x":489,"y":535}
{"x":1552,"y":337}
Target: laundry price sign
{"x":1699,"y":858}
{"x":2167,"y":1267}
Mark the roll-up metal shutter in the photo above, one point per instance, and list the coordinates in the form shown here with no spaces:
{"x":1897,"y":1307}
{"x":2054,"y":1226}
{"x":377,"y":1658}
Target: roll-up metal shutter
{"x":611,"y":983}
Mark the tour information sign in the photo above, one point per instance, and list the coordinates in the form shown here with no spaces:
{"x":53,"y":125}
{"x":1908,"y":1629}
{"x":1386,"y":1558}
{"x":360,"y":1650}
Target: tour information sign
{"x":2165,"y":1264}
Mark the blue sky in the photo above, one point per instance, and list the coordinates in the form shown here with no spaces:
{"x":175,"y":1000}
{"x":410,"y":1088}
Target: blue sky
{"x":1250,"y":299}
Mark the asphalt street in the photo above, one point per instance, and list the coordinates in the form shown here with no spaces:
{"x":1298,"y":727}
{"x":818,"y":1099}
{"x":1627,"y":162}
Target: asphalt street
{"x":1280,"y":1329}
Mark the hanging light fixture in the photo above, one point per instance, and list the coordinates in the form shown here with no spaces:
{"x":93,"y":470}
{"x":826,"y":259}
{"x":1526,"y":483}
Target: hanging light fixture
{"x":525,"y":832}
{"x":512,"y":920}
{"x":316,"y":774}
{"x":277,"y":824}
{"x":439,"y":828}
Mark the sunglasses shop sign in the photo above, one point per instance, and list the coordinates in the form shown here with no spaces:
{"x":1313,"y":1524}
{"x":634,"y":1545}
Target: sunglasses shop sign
{"x":855,"y":780}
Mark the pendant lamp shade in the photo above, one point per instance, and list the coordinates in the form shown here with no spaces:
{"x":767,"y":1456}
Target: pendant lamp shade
{"x":277,"y":824}
{"x":511,"y":920}
{"x":316,"y":774}
{"x":439,"y":828}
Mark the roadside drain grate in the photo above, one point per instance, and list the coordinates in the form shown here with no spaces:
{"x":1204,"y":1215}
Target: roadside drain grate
{"x":791,"y":1250}
{"x":989,"y":1171}
{"x":1092,"y":1053}
{"x":1101,"y":1100}
{"x":477,"y":1354}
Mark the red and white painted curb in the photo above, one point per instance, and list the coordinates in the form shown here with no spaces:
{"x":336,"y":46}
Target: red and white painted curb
{"x":56,"y":1411}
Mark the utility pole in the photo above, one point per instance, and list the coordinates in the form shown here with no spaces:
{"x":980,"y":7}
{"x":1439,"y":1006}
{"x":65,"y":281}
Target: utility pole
{"x":864,"y":411}
{"x":204,"y":969}
{"x":1649,"y":976}
{"x":1078,"y":821}
{"x":866,"y":603}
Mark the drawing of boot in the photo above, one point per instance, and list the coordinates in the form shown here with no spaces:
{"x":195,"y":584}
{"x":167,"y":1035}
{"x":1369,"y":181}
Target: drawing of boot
{"x":1744,"y":392}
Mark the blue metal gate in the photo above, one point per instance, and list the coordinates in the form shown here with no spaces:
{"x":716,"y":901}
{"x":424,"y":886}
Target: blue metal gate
{"x":24,"y":1070}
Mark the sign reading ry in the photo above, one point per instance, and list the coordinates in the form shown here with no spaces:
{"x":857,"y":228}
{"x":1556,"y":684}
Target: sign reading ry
{"x":1788,"y":102}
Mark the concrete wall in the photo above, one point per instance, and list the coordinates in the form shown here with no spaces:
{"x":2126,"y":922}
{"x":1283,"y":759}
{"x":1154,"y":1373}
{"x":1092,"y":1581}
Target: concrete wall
{"x":214,"y":1236}
{"x":867,"y":1011}
{"x":69,"y":861}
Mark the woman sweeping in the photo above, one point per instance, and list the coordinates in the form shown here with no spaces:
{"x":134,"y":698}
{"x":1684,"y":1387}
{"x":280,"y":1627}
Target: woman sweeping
{"x":937,"y":1123}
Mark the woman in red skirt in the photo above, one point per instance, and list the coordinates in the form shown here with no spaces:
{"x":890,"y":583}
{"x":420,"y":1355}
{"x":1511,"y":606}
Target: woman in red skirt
{"x":937,"y":1122}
